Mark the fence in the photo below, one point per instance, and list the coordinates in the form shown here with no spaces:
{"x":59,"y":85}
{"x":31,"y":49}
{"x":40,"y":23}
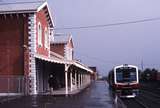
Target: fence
{"x":10,"y":85}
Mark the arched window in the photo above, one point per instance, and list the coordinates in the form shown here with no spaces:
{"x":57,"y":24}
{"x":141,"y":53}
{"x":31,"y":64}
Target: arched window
{"x":39,"y":34}
{"x":46,"y":42}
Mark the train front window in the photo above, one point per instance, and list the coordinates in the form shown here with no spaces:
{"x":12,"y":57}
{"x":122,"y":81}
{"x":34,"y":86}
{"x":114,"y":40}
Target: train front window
{"x":119,"y":76}
{"x":133,"y":76}
{"x":126,"y":74}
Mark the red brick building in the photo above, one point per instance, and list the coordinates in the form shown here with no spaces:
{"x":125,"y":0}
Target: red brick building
{"x":95,"y":74}
{"x":25,"y":57}
{"x":63,"y":45}
{"x":25,"y":30}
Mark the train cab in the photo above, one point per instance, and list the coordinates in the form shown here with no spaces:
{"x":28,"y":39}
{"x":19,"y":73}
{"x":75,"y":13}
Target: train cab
{"x":124,"y":80}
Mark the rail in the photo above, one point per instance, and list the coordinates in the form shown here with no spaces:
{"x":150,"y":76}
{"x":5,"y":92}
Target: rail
{"x":141,"y":104}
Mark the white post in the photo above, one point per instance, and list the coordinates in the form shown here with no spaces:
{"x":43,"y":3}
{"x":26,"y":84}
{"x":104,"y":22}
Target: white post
{"x":71,"y":82}
{"x":88,"y":79}
{"x":85,"y":81}
{"x":79,"y":80}
{"x":75,"y":80}
{"x":32,"y":85}
{"x":66,"y":78}
{"x":66,"y":82}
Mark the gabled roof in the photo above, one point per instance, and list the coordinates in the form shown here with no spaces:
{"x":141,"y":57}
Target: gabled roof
{"x":24,"y":7}
{"x":19,"y":6}
{"x":61,"y":38}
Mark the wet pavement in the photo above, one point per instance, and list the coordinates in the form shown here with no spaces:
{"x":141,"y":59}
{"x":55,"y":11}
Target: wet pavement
{"x":95,"y":96}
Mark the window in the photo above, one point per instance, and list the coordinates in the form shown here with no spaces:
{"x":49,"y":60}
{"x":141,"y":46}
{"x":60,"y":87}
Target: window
{"x":133,"y":76}
{"x":126,"y":75}
{"x":46,"y":39}
{"x":39,"y":34}
{"x":119,"y":76}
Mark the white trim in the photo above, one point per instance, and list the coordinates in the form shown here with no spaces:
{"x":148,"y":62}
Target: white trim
{"x":79,"y":80}
{"x":53,"y":54}
{"x":52,"y":59}
{"x":21,"y":11}
{"x":65,"y":50}
{"x":32,"y":85}
{"x":11,"y":94}
{"x":41,"y":7}
{"x":46,"y":38}
{"x":50,"y":15}
{"x":71,"y":81}
{"x":32,"y":32}
{"x":137,"y":74}
{"x":63,"y":61}
{"x":66,"y":79}
{"x":115,"y":76}
{"x":115,"y":68}
{"x":82,"y":66}
{"x":75,"y":75}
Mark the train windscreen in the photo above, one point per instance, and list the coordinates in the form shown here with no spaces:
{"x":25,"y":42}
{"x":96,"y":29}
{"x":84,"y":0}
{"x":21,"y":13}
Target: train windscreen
{"x":126,"y":74}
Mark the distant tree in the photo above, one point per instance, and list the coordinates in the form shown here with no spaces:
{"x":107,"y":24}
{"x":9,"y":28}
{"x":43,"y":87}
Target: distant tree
{"x":149,"y":74}
{"x":147,"y":70}
{"x":140,"y":74}
{"x":154,"y":74}
{"x":154,"y":70}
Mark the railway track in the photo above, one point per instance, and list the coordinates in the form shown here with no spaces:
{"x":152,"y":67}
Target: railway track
{"x":153,"y":89}
{"x":150,"y":93}
{"x":150,"y":97}
{"x":149,"y":102}
{"x":146,"y":99}
{"x":134,"y":103}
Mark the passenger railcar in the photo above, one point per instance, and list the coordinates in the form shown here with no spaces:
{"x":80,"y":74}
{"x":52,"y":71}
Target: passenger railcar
{"x":124,"y":80}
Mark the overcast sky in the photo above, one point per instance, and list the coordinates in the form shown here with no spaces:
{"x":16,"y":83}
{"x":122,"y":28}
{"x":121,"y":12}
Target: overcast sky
{"x":112,"y":45}
{"x":109,"y":46}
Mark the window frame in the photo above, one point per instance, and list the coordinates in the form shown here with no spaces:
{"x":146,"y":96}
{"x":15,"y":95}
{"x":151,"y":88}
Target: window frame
{"x":39,"y":34}
{"x":46,"y":38}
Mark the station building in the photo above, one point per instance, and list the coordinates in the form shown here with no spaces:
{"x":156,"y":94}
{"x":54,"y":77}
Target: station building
{"x":94,"y":76}
{"x":28,"y":56}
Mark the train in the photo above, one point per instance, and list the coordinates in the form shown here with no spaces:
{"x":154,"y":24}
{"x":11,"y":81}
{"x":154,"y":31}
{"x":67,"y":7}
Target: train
{"x":124,"y":80}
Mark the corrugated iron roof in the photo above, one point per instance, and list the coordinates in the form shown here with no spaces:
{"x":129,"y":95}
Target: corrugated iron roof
{"x":63,"y":61}
{"x":61,"y":38}
{"x":19,"y":6}
{"x":24,"y":7}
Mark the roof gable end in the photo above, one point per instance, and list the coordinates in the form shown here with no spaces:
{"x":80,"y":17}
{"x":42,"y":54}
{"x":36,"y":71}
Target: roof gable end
{"x":25,"y":7}
{"x":71,"y":42}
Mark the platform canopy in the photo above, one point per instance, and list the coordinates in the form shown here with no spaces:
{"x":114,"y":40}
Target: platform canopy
{"x":59,"y":60}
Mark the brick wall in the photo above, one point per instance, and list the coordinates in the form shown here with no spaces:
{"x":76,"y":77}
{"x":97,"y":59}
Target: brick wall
{"x":11,"y":45}
{"x":41,"y":17}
